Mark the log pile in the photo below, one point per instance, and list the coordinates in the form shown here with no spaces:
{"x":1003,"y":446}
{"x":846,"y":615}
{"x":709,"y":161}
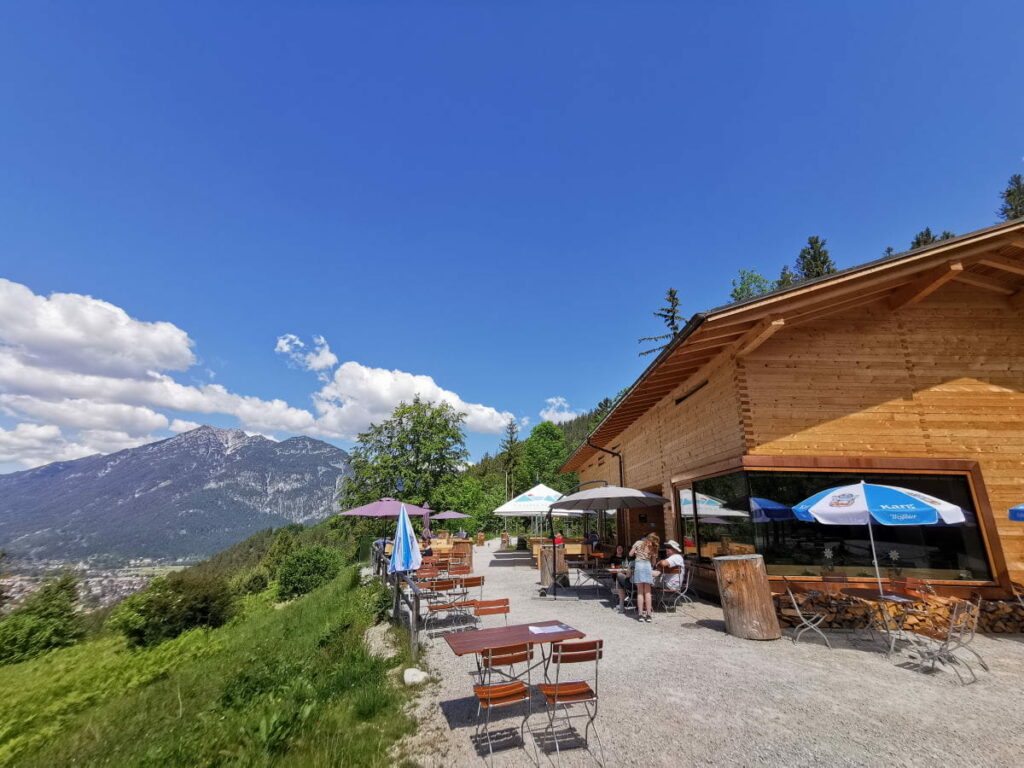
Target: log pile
{"x":930,"y":613}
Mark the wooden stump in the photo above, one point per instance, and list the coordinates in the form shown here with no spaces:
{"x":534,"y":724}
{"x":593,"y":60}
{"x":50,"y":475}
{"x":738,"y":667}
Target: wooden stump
{"x":746,"y":597}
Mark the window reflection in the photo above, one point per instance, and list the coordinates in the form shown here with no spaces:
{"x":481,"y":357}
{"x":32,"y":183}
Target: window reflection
{"x":746,"y":512}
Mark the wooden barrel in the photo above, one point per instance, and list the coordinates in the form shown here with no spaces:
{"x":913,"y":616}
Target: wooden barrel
{"x":746,"y":597}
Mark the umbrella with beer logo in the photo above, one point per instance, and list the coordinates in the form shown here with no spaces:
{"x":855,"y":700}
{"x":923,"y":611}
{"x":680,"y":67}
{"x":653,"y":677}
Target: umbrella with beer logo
{"x":864,"y":503}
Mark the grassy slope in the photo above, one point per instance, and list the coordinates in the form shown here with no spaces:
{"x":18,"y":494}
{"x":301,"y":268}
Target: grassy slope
{"x":290,"y":686}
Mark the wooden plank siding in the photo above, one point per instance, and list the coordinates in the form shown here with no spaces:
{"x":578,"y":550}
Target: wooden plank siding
{"x":943,"y":378}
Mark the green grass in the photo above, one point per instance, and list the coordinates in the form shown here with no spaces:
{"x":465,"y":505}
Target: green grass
{"x":289,"y":686}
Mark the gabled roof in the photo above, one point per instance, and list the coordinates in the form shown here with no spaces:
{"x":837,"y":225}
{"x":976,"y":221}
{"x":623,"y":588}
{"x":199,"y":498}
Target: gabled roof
{"x":991,"y":259}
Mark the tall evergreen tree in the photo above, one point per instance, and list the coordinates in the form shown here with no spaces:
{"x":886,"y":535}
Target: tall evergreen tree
{"x":670,"y":316}
{"x":512,"y":449}
{"x":787,"y":277}
{"x":749,"y":284}
{"x":1013,"y":198}
{"x":814,"y":260}
{"x":927,"y":237}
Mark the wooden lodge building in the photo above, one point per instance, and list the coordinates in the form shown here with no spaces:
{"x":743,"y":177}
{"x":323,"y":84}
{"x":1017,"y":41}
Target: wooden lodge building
{"x":907,"y":371}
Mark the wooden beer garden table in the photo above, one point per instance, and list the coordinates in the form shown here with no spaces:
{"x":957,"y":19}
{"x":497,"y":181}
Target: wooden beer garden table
{"x":478,"y":640}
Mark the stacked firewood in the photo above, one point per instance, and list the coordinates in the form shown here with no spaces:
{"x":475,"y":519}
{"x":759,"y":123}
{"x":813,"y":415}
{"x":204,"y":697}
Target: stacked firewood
{"x":930,"y":613}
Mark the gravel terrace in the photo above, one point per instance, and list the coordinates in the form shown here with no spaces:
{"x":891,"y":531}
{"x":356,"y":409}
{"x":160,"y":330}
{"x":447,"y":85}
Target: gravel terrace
{"x":679,"y":691}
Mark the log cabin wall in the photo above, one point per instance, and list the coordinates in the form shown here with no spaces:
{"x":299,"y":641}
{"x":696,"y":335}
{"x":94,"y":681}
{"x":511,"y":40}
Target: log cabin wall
{"x":700,"y":431}
{"x":943,"y":378}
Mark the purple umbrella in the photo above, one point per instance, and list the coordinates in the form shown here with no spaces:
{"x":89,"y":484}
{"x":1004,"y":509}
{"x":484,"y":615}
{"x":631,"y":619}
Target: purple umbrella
{"x":386,"y":507}
{"x":449,"y":515}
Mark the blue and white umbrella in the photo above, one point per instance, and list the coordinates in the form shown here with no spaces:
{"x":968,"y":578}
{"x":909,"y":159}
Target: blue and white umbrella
{"x":1017,"y":513}
{"x":768,"y":511}
{"x":405,"y":555}
{"x":862,"y":502}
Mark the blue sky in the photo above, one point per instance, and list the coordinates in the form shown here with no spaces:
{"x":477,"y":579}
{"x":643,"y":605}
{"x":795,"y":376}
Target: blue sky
{"x":495,"y":196}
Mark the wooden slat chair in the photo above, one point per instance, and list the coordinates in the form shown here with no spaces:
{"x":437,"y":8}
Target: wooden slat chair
{"x":459,"y":570}
{"x":491,"y":608}
{"x":508,"y":693}
{"x":806,"y":622}
{"x":563,"y":695}
{"x":473,"y":582}
{"x":437,"y":590}
{"x":448,"y":610}
{"x":671,"y":597}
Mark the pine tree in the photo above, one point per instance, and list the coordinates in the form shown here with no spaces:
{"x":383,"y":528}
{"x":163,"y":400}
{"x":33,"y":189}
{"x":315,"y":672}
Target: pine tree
{"x":787,"y":277}
{"x":669,"y":314}
{"x":927,"y":237}
{"x":512,"y":450}
{"x":889,"y":251}
{"x":1013,"y":198}
{"x":814,"y":260}
{"x":749,"y":284}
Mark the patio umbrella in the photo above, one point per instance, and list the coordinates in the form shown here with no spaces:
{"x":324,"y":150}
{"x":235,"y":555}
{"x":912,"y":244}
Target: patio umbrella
{"x":706,"y":505}
{"x":405,"y":556}
{"x":388,"y":507}
{"x":1017,"y":513}
{"x":608,"y":497}
{"x":767,"y":511}
{"x":449,"y":515}
{"x":532,"y":503}
{"x":862,"y":502}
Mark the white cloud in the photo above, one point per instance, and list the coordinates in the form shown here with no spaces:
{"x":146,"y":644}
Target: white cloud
{"x":558,"y":410}
{"x":319,"y":358}
{"x":79,"y":376}
{"x":34,"y":444}
{"x":80,"y":413}
{"x":357,"y":396}
{"x":72,"y":332}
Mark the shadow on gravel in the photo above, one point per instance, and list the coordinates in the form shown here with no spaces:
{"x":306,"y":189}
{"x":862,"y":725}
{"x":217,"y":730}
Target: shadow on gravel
{"x":716,"y":624}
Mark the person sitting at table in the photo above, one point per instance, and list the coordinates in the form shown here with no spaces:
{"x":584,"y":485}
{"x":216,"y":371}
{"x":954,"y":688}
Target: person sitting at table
{"x":618,"y":557}
{"x":646,"y":552}
{"x":559,"y":539}
{"x":675,"y":560}
{"x":594,"y":540}
{"x":426,"y":550}
{"x":622,"y":582}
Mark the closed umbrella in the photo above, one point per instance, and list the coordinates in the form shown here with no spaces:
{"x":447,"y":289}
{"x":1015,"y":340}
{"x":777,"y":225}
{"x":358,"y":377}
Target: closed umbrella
{"x":862,"y":502}
{"x":405,"y":556}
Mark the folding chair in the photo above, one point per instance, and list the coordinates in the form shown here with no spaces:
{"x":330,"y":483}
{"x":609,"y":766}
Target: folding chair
{"x":563,"y":695}
{"x":673,"y":596}
{"x":473,"y":582}
{"x":1018,"y":591}
{"x":945,"y":646}
{"x":806,"y":622}
{"x":436,"y":591}
{"x":491,"y":696}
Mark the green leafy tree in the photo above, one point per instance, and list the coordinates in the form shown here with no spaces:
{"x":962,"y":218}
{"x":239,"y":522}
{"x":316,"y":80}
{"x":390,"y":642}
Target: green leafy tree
{"x":814,"y":260}
{"x":748,"y":285}
{"x":306,"y":569}
{"x":787,"y":278}
{"x":889,"y":251}
{"x":927,"y":237}
{"x":670,"y":316}
{"x":422,"y":443}
{"x":171,"y":605}
{"x":1013,"y":198}
{"x":47,"y":619}
{"x":250,"y":581}
{"x":476,"y":495}
{"x":544,"y":452}
{"x":285,"y":542}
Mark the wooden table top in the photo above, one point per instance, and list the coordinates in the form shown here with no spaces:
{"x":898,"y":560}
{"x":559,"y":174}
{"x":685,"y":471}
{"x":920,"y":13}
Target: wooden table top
{"x":478,"y":640}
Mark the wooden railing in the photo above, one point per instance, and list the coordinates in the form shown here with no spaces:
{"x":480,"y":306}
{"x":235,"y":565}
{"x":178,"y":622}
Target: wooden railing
{"x":405,"y":591}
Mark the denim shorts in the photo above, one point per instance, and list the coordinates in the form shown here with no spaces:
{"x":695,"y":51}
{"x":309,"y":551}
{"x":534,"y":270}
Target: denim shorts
{"x":642,"y":573}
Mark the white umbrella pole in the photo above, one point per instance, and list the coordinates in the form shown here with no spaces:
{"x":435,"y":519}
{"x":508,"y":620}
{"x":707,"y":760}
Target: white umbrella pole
{"x":874,"y":558}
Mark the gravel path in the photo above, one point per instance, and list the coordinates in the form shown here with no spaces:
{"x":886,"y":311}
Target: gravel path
{"x":679,"y":691}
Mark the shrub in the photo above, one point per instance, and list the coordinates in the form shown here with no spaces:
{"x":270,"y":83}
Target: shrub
{"x":250,"y":581}
{"x":305,"y":570}
{"x":171,"y":605}
{"x":46,"y":620}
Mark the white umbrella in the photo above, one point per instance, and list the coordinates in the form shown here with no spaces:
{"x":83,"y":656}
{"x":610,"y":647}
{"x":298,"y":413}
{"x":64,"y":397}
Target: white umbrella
{"x":862,"y":502}
{"x":532,"y":503}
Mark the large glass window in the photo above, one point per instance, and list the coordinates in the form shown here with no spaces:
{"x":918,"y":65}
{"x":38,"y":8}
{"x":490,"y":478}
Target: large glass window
{"x":749,"y":511}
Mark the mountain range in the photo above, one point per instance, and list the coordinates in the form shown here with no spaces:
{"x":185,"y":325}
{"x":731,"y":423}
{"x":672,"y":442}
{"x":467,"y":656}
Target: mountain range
{"x":185,"y":497}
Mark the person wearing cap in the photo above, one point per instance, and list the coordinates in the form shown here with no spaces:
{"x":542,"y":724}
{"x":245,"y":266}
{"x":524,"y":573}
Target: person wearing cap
{"x":674,"y":560}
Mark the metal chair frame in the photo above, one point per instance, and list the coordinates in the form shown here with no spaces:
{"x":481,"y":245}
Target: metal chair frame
{"x":806,"y":623}
{"x":680,"y":594}
{"x":946,"y":647}
{"x":508,"y":693}
{"x":577,"y":652}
